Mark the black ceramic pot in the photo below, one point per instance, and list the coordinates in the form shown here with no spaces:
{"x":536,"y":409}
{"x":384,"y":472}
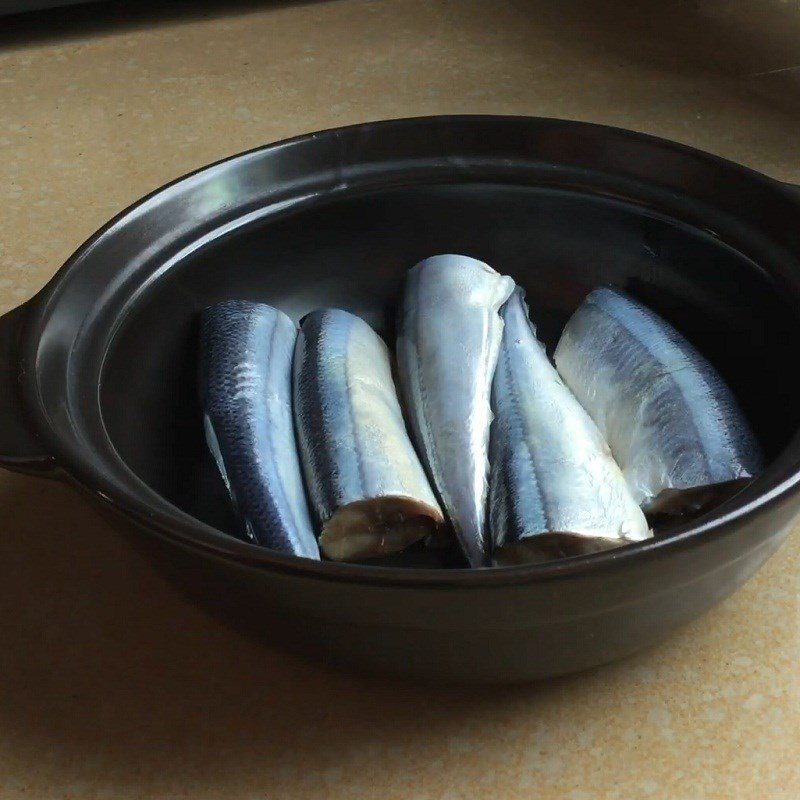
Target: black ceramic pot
{"x":97,"y":373}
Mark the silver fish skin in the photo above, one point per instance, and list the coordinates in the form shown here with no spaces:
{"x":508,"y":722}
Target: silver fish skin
{"x":673,"y":425}
{"x":366,"y":483}
{"x":554,"y":490}
{"x":246,"y":392}
{"x":449,"y":332}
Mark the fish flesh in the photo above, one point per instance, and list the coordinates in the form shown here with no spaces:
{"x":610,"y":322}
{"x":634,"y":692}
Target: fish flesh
{"x":554,"y":489}
{"x":672,"y":423}
{"x":449,"y":332}
{"x":246,"y":393}
{"x":366,"y":483}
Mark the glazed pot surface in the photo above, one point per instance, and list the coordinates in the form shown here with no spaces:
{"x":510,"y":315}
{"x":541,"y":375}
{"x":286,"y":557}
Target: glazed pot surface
{"x":108,"y":359}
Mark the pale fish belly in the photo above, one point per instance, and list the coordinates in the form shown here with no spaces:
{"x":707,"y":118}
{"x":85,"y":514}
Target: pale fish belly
{"x":449,"y":332}
{"x":672,"y":423}
{"x":367,"y":486}
{"x":555,"y":489}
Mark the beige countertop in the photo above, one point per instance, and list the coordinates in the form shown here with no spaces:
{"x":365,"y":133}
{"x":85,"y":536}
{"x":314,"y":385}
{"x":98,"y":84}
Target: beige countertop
{"x":111,"y":686}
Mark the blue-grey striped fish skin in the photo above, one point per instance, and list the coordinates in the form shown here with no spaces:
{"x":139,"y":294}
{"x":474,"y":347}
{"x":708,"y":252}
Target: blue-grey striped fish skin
{"x":246,"y":391}
{"x":366,"y":483}
{"x":673,"y":425}
{"x":554,"y":487}
{"x":449,"y":332}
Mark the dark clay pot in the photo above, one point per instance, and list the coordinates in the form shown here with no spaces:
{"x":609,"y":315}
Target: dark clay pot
{"x":97,"y":373}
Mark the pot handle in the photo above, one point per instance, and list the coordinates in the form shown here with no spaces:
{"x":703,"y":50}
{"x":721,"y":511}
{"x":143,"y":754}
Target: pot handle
{"x":20,"y":448}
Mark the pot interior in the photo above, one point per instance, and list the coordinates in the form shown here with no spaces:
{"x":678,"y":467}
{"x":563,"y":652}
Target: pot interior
{"x":352,"y":252}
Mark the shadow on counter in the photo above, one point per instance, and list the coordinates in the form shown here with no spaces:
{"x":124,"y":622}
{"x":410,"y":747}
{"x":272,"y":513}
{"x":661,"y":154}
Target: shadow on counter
{"x":65,"y":23}
{"x":755,"y":46}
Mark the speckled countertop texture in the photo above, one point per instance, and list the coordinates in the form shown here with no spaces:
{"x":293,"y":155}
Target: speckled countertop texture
{"x":111,"y":686}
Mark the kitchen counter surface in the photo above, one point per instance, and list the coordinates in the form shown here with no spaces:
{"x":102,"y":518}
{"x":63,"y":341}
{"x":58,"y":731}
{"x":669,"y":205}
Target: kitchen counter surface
{"x":111,"y":685}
